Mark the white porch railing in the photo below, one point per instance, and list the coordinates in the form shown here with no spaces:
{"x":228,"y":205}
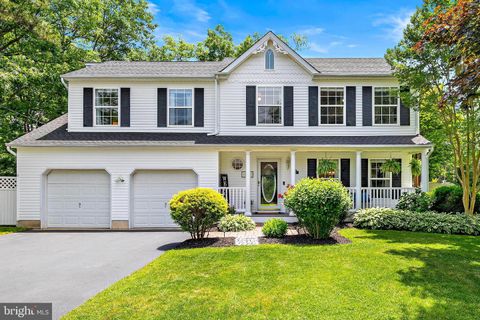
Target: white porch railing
{"x":379,"y":197}
{"x":8,"y":200}
{"x":236,"y":197}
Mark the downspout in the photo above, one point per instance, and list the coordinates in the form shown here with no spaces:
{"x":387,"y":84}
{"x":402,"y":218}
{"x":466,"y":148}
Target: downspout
{"x":11,"y":151}
{"x":64,"y":83}
{"x":217,"y":111}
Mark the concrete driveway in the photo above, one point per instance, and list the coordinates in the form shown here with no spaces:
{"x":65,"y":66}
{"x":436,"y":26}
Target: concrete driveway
{"x":67,"y":268}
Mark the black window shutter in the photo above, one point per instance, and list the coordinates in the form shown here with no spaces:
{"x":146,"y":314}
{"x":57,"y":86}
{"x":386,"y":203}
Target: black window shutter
{"x":125,"y":107}
{"x":87,"y":107}
{"x":364,"y":173}
{"x":404,"y":110}
{"x":345,"y":172}
{"x":313,"y":106}
{"x":397,"y":177}
{"x":251,"y":103}
{"x":162,"y":107}
{"x":199,"y":107}
{"x":312,"y":168}
{"x":351,"y":106}
{"x":367,"y":106}
{"x":288,"y":106}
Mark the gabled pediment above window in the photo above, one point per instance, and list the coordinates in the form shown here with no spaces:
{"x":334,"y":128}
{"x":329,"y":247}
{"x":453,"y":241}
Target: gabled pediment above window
{"x":269,"y":41}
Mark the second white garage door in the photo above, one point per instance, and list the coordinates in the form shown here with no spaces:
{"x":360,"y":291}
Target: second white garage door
{"x":152,"y":191}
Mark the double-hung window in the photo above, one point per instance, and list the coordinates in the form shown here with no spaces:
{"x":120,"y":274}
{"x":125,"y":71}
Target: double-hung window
{"x":378,"y":179}
{"x":386,"y":105}
{"x":332,"y":105}
{"x":269,"y":105}
{"x":106,"y":107}
{"x":180,"y":107}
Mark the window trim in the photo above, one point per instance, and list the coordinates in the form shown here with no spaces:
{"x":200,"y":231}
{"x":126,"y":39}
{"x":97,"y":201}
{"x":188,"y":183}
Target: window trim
{"x":168,"y":108}
{"x":95,"y":107}
{"x":344,"y":124}
{"x":373,"y":108}
{"x":265,"y":60}
{"x":257,"y":105}
{"x":370,"y":173}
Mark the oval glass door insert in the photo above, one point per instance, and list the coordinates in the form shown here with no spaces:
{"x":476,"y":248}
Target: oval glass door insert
{"x":269,"y":183}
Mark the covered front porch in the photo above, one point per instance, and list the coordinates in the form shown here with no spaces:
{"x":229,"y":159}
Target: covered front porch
{"x":252,"y":179}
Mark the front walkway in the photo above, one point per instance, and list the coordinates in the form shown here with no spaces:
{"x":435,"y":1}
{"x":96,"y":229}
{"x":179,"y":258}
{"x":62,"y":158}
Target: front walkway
{"x":68,"y":268}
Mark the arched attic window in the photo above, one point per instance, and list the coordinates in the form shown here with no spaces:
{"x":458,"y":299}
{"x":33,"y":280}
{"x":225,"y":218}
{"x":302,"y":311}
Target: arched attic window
{"x":269,"y":60}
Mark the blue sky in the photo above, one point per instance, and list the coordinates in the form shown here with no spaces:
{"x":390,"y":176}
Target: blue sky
{"x":334,"y":28}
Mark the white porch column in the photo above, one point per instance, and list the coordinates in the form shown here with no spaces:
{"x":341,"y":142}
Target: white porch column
{"x":358,"y":180}
{"x":425,"y":171}
{"x":248,"y":207}
{"x":293,"y":165}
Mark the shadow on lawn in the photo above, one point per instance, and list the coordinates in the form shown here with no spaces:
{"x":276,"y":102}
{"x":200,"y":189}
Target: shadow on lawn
{"x":449,"y":272}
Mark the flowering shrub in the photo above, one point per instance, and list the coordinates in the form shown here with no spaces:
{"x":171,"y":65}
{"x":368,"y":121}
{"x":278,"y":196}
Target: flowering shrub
{"x":418,"y":201}
{"x":234,"y":223}
{"x":434,"y":222}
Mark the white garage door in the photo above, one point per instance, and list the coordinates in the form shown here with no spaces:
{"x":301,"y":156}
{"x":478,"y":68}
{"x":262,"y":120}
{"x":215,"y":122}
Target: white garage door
{"x":152,"y":191}
{"x":78,"y":199}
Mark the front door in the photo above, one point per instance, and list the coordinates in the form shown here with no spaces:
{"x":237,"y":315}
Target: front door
{"x":268,"y":186}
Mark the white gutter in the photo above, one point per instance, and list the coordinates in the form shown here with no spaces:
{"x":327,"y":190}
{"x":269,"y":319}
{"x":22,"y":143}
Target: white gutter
{"x":11,"y":151}
{"x":65,"y":84}
{"x":217,"y":111}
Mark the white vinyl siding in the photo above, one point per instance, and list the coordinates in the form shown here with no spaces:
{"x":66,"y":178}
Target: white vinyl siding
{"x":120,"y":163}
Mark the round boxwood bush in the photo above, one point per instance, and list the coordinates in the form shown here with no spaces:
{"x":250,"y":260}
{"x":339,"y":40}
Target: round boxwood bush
{"x":318,"y":204}
{"x":275,"y":228}
{"x":235,"y":223}
{"x":197,"y":210}
{"x":416,"y":201}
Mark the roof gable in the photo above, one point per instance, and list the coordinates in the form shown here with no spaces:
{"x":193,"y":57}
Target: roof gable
{"x":261,"y":45}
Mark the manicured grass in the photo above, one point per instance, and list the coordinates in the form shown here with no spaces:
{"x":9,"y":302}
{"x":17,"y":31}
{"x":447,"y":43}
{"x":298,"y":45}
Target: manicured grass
{"x":381,"y":275}
{"x":7,"y":230}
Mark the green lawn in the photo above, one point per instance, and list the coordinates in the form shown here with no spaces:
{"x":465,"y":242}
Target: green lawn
{"x":7,"y":230}
{"x":381,"y":275}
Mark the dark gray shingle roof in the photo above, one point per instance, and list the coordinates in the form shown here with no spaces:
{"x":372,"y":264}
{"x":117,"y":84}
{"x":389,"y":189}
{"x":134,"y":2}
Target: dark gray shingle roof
{"x":208,"y":69}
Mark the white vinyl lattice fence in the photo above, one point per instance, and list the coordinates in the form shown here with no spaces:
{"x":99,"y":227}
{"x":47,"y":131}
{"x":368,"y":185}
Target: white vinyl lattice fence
{"x":8,"y":200}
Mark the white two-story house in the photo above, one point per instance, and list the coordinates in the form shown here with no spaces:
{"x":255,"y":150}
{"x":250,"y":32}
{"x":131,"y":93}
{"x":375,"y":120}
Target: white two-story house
{"x":138,"y":132}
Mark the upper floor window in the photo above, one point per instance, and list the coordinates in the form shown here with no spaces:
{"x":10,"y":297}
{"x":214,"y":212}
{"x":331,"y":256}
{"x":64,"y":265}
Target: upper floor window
{"x":106,"y":107}
{"x":269,"y":105}
{"x":180,"y":107}
{"x":386,"y":105}
{"x":269,"y":60}
{"x":379,"y":179}
{"x":332,"y":105}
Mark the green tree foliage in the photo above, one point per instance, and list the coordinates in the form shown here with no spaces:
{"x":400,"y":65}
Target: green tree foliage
{"x":217,"y":46}
{"x":438,"y":59}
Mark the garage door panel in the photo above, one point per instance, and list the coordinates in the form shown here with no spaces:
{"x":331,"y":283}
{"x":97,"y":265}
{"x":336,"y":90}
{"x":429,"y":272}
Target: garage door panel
{"x":78,"y":198}
{"x":152,"y":193}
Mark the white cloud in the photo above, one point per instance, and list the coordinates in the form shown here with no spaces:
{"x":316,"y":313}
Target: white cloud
{"x":153,"y":8}
{"x":190,"y":8}
{"x":311,"y":31}
{"x":315,"y":47}
{"x":352,"y":45}
{"x":393,"y":23}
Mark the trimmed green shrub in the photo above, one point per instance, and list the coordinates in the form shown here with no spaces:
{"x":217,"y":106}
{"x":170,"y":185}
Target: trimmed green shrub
{"x":433,"y":222}
{"x":197,"y":210}
{"x":234,"y":223}
{"x":449,"y":199}
{"x":275,"y":228}
{"x":417,"y":201}
{"x":319,"y":204}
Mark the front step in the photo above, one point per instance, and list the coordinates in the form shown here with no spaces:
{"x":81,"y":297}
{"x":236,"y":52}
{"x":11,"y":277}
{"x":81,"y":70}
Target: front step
{"x":263,"y":217}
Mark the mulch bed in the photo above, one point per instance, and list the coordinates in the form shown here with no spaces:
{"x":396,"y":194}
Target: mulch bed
{"x":207,"y":243}
{"x":302,"y":239}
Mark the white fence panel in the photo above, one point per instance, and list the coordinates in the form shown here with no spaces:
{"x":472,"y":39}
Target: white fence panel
{"x":8,"y":201}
